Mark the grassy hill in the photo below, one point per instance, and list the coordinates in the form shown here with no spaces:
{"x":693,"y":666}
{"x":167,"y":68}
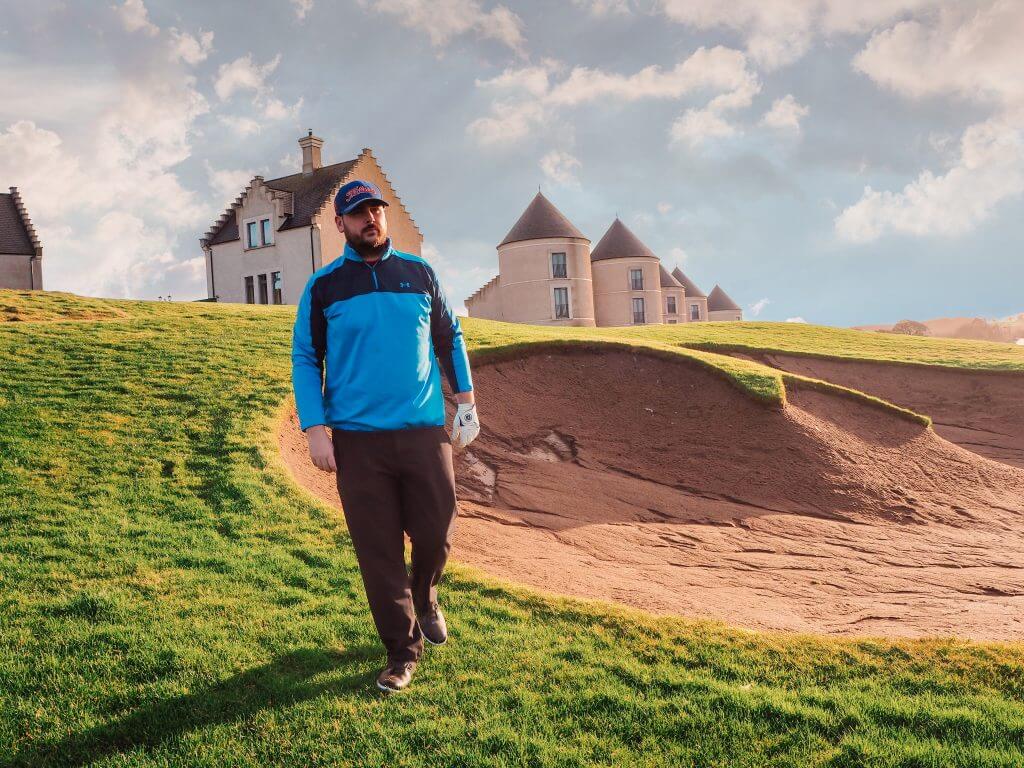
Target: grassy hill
{"x":169,"y":597}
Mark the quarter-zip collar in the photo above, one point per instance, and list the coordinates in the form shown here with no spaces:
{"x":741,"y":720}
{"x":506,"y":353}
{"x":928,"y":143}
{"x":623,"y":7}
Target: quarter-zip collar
{"x":350,"y":253}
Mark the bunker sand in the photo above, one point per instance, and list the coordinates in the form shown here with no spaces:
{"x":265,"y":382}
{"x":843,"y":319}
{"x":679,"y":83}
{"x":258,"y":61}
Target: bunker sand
{"x":658,"y":484}
{"x":982,"y":411}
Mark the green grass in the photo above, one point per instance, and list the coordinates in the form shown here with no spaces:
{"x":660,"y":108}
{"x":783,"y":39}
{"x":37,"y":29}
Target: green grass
{"x":800,"y":338}
{"x":169,"y":597}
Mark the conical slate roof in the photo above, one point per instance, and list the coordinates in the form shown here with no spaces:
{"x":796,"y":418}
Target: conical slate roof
{"x":541,"y":220}
{"x":692,"y":291}
{"x":667,"y":281}
{"x":619,"y":243}
{"x":719,"y":300}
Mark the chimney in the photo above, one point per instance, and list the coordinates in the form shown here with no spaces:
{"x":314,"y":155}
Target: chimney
{"x":311,"y":152}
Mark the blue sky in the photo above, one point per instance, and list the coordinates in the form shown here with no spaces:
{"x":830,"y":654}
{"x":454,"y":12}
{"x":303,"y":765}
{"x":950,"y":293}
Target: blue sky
{"x":840,"y":162}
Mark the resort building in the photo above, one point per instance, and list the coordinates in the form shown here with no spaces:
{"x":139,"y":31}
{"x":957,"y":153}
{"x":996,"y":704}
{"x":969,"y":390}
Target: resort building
{"x":278,"y":232}
{"x":21,"y":253}
{"x":548,"y":275}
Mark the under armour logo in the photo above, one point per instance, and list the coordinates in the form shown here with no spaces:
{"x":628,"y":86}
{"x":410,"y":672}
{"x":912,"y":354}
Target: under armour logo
{"x":405,"y":285}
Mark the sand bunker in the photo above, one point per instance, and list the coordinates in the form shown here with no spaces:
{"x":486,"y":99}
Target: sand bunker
{"x":981,"y":410}
{"x":658,"y":484}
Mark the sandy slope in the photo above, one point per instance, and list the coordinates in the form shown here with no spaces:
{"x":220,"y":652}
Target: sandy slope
{"x":980,"y":410}
{"x":655,"y":483}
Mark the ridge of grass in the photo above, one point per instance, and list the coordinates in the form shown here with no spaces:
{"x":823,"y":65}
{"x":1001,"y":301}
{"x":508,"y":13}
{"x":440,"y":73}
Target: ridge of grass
{"x":168,"y":596}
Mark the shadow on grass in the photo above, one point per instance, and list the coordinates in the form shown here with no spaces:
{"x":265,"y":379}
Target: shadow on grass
{"x":281,"y":683}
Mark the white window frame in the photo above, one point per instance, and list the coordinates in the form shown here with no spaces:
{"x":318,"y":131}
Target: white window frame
{"x":674,"y":300}
{"x":258,"y":221}
{"x":554,"y":304}
{"x":629,"y":277}
{"x":551,"y":265}
{"x":694,"y":306}
{"x":632,"y":311}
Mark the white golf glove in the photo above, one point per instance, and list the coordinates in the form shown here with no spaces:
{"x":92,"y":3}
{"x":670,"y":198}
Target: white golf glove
{"x":465,"y":425}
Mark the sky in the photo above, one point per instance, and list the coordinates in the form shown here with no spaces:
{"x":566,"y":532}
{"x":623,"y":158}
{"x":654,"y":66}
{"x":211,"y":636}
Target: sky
{"x":830,"y":161}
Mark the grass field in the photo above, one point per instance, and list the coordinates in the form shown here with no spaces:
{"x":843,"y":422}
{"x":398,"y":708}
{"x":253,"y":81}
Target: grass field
{"x":169,"y":597}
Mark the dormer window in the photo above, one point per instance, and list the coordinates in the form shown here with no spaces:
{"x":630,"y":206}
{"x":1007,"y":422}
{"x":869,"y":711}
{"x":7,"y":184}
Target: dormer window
{"x":258,"y":233}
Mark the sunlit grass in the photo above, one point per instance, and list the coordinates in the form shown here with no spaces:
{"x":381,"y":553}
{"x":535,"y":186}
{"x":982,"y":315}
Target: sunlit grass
{"x":169,"y":597}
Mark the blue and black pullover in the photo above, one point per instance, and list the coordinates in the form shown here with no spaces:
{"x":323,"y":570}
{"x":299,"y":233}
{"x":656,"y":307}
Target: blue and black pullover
{"x":369,"y":344}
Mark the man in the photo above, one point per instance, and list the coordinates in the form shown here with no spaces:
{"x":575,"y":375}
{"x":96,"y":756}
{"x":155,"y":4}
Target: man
{"x":380,"y":323}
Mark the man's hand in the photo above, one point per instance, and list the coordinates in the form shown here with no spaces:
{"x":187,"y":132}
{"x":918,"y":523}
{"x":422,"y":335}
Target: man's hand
{"x":321,"y":449}
{"x":465,"y":425}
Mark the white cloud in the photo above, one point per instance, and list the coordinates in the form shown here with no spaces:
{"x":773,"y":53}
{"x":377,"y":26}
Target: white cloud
{"x":190,"y":49}
{"x":107,"y":204}
{"x":679,"y":256}
{"x":526,"y":98}
{"x":443,"y":20}
{"x":966,"y":53}
{"x":244,"y":74}
{"x":135,"y":18}
{"x":696,"y":126}
{"x":560,"y":168}
{"x":302,"y":8}
{"x":963,"y":50}
{"x":228,"y":183}
{"x":778,"y":32}
{"x":785,"y":114}
{"x":602,"y":8}
{"x":795,"y":320}
{"x":292,"y":162}
{"x":758,"y":306}
{"x":990,"y":170}
{"x":239,"y":125}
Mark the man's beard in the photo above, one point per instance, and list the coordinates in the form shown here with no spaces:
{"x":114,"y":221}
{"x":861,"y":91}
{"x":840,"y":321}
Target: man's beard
{"x":361,"y":241}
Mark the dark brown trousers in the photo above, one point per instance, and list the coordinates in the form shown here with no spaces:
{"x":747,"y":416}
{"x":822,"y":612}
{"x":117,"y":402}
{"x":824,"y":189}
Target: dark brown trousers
{"x":391,"y":483}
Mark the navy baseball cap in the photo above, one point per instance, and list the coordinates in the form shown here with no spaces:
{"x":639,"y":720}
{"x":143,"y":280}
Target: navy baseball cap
{"x":354,"y":193}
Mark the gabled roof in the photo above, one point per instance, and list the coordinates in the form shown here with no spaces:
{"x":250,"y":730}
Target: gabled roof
{"x":619,"y":242}
{"x":539,"y":221}
{"x":692,"y":291}
{"x":17,"y":236}
{"x":719,"y":300}
{"x":667,"y":281}
{"x":308,"y":193}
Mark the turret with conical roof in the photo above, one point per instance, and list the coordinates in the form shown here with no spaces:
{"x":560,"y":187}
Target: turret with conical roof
{"x":627,"y":279}
{"x":695,"y":302}
{"x":544,"y":272}
{"x":541,"y":220}
{"x":619,"y":242}
{"x":721,"y":307}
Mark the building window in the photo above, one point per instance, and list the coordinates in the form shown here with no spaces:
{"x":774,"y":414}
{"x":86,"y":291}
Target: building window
{"x":638,"y":312}
{"x":263,"y":289}
{"x":561,"y":303}
{"x":250,"y":292}
{"x":671,"y":301}
{"x":636,"y":279}
{"x":258,"y":233}
{"x":558,"y":265}
{"x":673,"y":321}
{"x":275,"y":286}
{"x":695,"y":311}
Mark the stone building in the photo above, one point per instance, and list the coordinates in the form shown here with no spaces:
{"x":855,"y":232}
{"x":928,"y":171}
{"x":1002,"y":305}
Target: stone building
{"x":548,"y":275}
{"x":278,"y":232}
{"x":21,"y":253}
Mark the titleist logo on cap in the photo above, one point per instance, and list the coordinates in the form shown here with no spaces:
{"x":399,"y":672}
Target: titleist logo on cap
{"x":358,"y":191}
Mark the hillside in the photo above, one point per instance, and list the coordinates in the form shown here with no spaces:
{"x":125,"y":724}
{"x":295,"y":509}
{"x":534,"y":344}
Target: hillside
{"x":172,"y":597}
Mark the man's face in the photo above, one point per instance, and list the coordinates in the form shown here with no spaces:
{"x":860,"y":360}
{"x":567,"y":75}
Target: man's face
{"x":365,"y":227}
